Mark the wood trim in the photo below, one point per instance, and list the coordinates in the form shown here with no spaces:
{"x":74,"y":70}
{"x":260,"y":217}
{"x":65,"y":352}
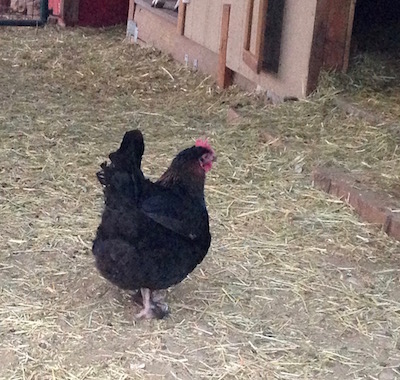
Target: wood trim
{"x":224,"y":75}
{"x":249,"y":22}
{"x":131,"y":10}
{"x":261,"y":25}
{"x":250,"y":60}
{"x":181,"y":18}
{"x":254,"y":60}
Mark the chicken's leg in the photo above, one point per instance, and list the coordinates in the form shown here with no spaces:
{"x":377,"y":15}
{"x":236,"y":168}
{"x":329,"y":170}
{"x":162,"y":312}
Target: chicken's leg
{"x":151,"y":309}
{"x":157,"y":296}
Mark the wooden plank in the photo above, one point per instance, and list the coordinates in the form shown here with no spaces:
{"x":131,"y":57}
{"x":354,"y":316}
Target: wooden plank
{"x":181,"y":18}
{"x":249,"y":22}
{"x":336,"y":34}
{"x":332,"y":33}
{"x":62,"y":13}
{"x":318,"y":43}
{"x":131,"y":10}
{"x":250,"y":60}
{"x":349,"y":33}
{"x":224,"y":74}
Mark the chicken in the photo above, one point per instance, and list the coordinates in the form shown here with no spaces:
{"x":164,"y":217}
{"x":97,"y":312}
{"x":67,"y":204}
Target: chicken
{"x":152,"y":234}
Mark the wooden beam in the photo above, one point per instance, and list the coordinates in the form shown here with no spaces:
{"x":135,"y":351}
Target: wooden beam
{"x":131,"y":10}
{"x":249,"y":22}
{"x":336,"y":34}
{"x":318,"y":44}
{"x":346,"y":56}
{"x":261,"y":25}
{"x":250,"y":60}
{"x":181,"y":18}
{"x":224,"y":74}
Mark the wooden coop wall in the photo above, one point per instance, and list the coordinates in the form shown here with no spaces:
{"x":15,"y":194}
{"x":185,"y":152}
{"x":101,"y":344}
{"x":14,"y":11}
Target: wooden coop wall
{"x":203,"y":26}
{"x":314,"y":34}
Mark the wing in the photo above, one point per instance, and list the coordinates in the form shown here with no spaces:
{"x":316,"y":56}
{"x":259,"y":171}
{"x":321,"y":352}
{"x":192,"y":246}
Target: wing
{"x":181,"y":216}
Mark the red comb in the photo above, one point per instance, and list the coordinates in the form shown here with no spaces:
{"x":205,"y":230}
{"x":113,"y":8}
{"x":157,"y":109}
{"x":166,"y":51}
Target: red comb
{"x":203,"y":143}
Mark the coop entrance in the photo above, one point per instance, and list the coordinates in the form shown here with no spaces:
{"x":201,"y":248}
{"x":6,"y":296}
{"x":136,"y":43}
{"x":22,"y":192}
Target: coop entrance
{"x":23,"y":12}
{"x":376,"y":26}
{"x":346,"y":27}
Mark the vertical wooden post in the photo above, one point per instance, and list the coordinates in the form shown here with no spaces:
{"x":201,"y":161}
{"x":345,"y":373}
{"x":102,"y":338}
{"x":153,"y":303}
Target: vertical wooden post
{"x":337,"y":33}
{"x":132,"y":8}
{"x":224,"y":74}
{"x":318,"y":44}
{"x":249,"y":23}
{"x":181,"y":18}
{"x":349,"y":33}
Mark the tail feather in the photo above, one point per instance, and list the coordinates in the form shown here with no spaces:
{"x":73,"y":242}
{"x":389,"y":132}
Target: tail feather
{"x":129,"y":155}
{"x":123,"y":176}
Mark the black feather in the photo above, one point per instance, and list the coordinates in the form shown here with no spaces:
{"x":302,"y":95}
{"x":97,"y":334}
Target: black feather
{"x":152,"y":235}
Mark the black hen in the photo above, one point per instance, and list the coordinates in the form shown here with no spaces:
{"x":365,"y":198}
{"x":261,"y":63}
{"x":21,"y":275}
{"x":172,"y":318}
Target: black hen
{"x":152,"y":235}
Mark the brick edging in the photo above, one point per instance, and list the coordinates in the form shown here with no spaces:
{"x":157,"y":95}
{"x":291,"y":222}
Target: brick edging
{"x":373,"y":207}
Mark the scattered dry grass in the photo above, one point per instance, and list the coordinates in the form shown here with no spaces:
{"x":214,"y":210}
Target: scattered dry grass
{"x":294,"y":287}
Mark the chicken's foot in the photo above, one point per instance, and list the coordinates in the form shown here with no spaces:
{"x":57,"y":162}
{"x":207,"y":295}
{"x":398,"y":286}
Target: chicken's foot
{"x":150,"y":309}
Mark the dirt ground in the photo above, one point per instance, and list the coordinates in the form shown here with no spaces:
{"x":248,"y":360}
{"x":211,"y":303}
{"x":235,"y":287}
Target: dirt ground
{"x":295,"y":286}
